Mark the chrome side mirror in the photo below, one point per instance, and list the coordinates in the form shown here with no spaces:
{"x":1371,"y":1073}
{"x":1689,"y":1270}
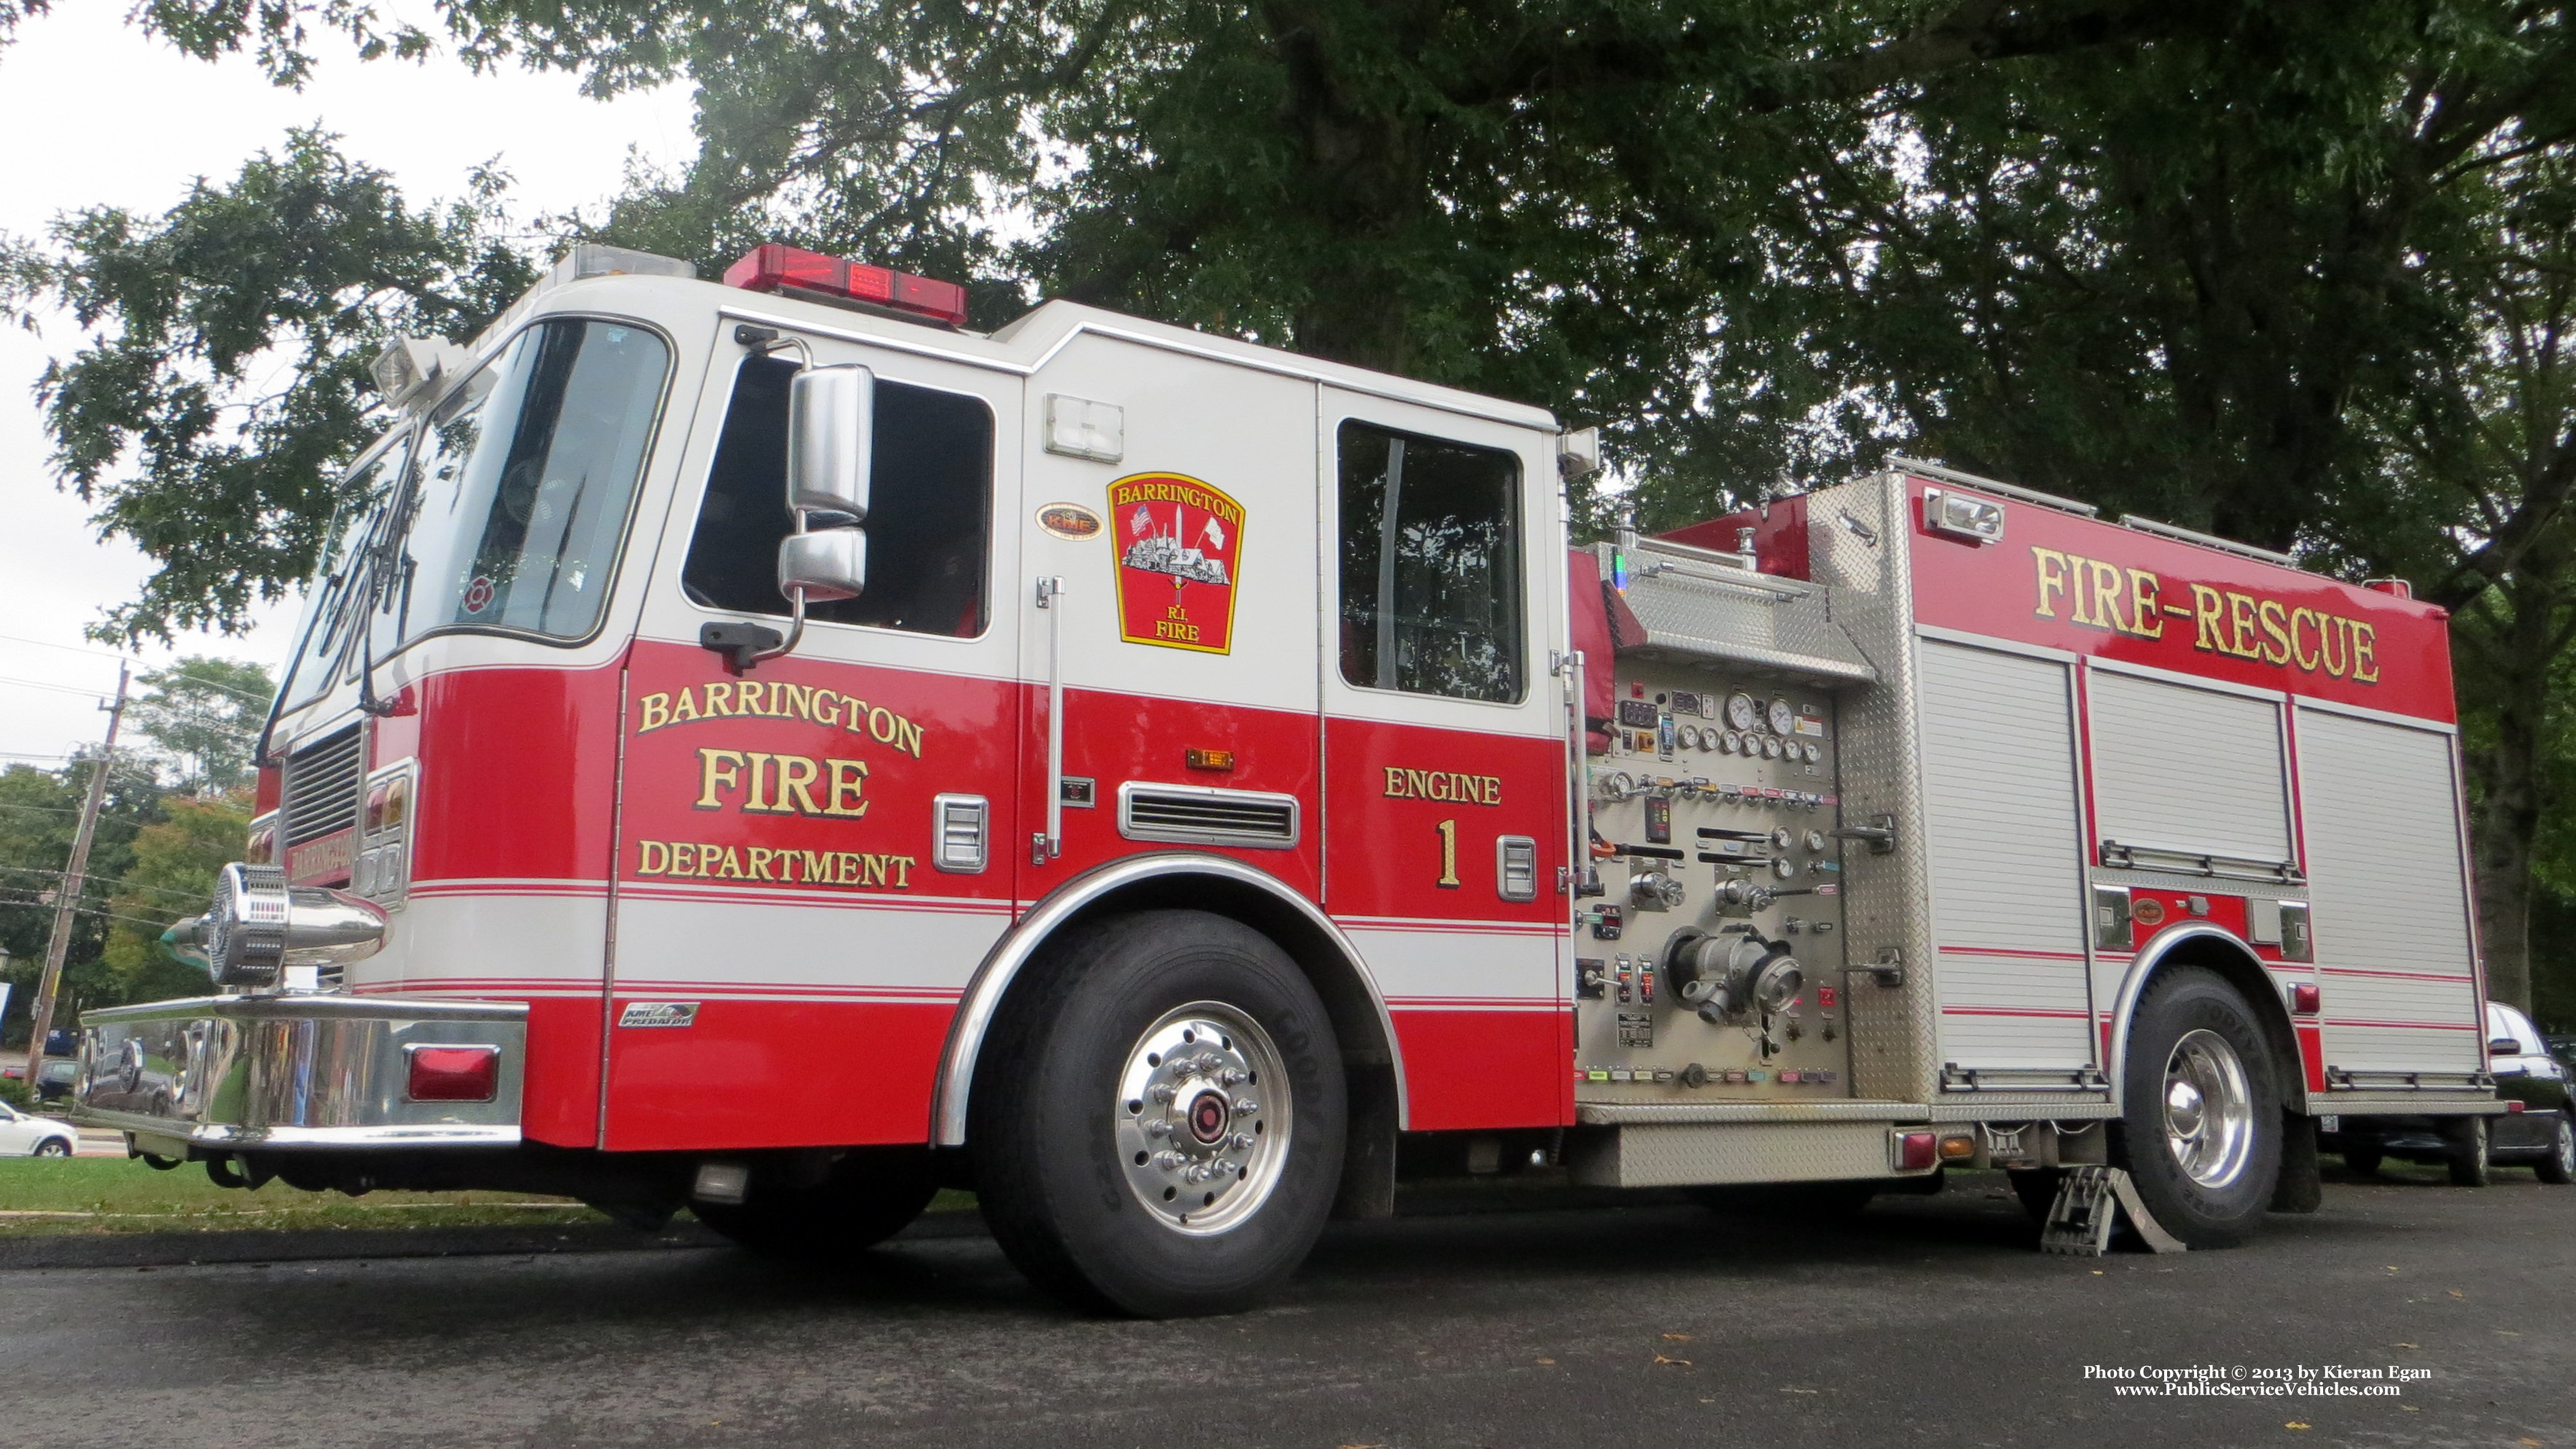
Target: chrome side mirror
{"x":827,"y":564}
{"x":831,"y":424}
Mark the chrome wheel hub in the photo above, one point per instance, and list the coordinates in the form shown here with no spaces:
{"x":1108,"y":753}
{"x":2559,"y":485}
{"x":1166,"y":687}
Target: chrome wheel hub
{"x":1203,"y":1117}
{"x":2209,"y":1109}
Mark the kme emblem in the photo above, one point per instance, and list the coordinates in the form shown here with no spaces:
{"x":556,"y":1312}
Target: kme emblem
{"x":1179,"y":541}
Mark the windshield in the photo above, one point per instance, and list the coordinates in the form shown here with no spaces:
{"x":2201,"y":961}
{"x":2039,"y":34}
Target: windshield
{"x":341,"y":577}
{"x":523,"y":483}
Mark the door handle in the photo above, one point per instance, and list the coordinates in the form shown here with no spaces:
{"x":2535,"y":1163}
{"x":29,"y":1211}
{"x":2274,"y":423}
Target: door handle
{"x":1047,"y":844}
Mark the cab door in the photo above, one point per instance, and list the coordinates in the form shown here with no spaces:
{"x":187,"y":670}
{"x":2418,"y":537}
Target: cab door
{"x":813,"y":853}
{"x":1445,"y":749}
{"x":1182,"y":643}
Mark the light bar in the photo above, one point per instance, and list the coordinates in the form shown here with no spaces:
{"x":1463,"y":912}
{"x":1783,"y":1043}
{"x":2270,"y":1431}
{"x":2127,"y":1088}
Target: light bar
{"x":776,"y":267}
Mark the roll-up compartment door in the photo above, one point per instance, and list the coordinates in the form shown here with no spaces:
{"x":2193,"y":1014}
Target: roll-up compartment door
{"x":2006,"y":855}
{"x":2188,"y":771}
{"x":2391,"y":912}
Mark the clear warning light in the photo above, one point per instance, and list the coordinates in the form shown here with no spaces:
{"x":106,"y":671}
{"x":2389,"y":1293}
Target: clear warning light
{"x":1961,"y":515}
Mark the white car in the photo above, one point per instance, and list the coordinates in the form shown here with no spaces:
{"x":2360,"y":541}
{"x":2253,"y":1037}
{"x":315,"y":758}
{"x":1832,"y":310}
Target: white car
{"x":25,"y":1136}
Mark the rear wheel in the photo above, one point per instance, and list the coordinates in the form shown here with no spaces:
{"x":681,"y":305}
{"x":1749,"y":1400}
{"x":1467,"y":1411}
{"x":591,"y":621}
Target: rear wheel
{"x":53,"y":1147}
{"x":2559,"y":1167}
{"x":867,"y":1198}
{"x":2467,"y":1158}
{"x":2200,"y":1133}
{"x":1158,"y":1121}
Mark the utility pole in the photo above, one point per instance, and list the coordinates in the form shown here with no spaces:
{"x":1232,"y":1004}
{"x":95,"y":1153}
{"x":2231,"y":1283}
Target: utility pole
{"x":67,"y":900}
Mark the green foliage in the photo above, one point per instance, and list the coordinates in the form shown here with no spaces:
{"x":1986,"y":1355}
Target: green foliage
{"x":305,"y":258}
{"x":172,"y":875}
{"x":39,"y":811}
{"x":205,"y":715}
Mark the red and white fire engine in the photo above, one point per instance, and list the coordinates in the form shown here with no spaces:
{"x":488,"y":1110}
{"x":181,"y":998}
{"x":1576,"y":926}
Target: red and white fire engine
{"x":767,"y":748}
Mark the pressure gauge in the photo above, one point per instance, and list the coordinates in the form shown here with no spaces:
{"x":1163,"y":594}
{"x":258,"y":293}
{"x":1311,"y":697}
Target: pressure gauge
{"x":1725,"y":741}
{"x":1812,"y":751}
{"x":1783,"y":718}
{"x":1687,"y":736}
{"x":1741,"y":712}
{"x":1771,"y":747}
{"x":1618,"y":786}
{"x":1815,"y":842}
{"x":1708,"y":738}
{"x":1783,"y":867}
{"x":1781,"y":837}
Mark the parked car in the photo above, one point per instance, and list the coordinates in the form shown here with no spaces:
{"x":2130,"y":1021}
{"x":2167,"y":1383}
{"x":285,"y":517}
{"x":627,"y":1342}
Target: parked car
{"x":54,"y":1079}
{"x":2539,"y":1133}
{"x":24,"y":1136}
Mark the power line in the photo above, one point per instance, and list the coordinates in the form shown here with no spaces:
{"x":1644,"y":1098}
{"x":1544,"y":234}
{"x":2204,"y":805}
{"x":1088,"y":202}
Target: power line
{"x":108,"y":880}
{"x":69,"y":648}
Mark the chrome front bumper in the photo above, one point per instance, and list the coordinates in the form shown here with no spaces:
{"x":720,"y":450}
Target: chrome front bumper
{"x":272,"y":1073}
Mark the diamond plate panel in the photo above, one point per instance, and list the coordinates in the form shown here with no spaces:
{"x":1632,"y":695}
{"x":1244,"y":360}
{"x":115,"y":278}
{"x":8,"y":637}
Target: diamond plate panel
{"x":1708,"y":610}
{"x":1857,"y":544}
{"x":1684,"y":1156}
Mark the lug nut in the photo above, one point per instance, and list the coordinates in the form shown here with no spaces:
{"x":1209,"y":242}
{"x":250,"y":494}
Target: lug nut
{"x":1168,"y":1161}
{"x":1162,"y":1093}
{"x":1242,"y":1142}
{"x":1228,"y":1077}
{"x":1244,"y":1106}
{"x":1157,"y":1127}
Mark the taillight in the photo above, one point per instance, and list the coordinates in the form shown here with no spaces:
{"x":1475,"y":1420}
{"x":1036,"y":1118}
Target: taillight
{"x":1913,"y":1151}
{"x":454,"y":1074}
{"x":775,"y":267}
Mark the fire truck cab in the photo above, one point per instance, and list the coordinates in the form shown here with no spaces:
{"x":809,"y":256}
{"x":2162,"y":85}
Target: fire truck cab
{"x":762,"y":747}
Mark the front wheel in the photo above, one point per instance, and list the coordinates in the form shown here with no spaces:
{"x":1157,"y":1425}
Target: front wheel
{"x":2200,"y":1131}
{"x":53,"y":1147}
{"x":2559,"y":1168}
{"x":1158,"y":1120}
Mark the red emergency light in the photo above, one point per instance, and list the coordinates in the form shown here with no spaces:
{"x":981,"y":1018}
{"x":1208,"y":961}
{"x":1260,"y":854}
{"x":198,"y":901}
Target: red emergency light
{"x":776,"y":267}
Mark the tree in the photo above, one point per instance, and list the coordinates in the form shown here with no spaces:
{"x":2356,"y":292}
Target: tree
{"x":38,"y":812}
{"x":304,"y":254}
{"x":205,"y":715}
{"x":172,"y":875}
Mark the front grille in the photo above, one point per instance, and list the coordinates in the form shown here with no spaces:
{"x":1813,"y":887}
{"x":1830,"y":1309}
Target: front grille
{"x":321,"y":790}
{"x":1200,"y":815}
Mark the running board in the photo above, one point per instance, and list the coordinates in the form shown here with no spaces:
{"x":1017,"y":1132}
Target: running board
{"x":2090,"y":1202}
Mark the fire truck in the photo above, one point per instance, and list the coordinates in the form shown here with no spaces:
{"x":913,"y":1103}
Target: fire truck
{"x":763,"y":747}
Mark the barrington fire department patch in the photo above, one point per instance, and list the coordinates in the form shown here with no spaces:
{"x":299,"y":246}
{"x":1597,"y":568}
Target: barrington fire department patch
{"x":1179,"y":541}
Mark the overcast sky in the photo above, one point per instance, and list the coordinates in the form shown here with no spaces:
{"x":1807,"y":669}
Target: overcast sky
{"x":97,"y":113}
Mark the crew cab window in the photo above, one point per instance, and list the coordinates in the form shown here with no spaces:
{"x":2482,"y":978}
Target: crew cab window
{"x":930,"y":510}
{"x":1431,"y":565}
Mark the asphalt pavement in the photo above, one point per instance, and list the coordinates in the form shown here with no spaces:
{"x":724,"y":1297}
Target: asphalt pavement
{"x":1928,"y":1321}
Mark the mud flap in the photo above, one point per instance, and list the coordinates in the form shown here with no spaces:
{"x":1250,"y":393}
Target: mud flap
{"x":2090,"y":1203}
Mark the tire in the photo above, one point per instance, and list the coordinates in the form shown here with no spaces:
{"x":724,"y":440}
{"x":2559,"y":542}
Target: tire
{"x":1788,"y":1202}
{"x":2363,"y":1160}
{"x":868,"y":1197}
{"x":53,"y":1147}
{"x":2037,"y":1189}
{"x":2559,"y":1168}
{"x":2467,"y":1158}
{"x":2200,"y":1132}
{"x":1100,"y":1109}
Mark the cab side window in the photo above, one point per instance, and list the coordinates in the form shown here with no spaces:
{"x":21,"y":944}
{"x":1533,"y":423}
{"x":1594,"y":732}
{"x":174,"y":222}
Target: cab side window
{"x":930,"y":515}
{"x":1431,"y":565}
